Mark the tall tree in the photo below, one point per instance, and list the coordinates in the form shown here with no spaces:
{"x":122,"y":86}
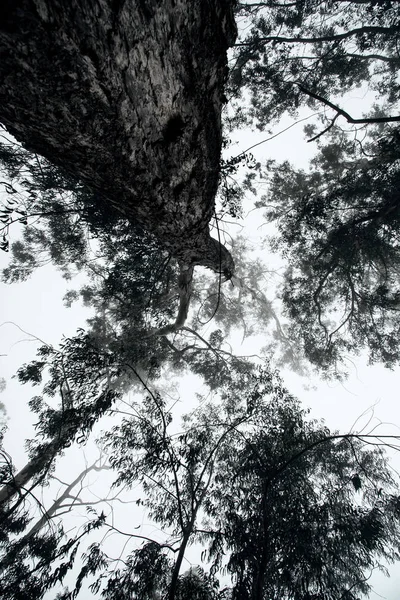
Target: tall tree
{"x":128,"y":98}
{"x":82,"y":376}
{"x":298,"y":512}
{"x":338,"y":224}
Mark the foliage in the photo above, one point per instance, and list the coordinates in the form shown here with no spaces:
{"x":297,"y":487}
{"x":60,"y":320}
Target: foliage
{"x":338,"y":223}
{"x":280,"y":503}
{"x":338,"y":229}
{"x":293,"y":508}
{"x":131,"y":281}
{"x":69,"y":225}
{"x":32,"y":562}
{"x":300,"y":512}
{"x":308,"y":52}
{"x":84,"y":378}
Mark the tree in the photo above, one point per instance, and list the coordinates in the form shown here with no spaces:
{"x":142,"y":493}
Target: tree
{"x":309,"y":52}
{"x":128,"y":99}
{"x":338,"y":223}
{"x":143,"y":449}
{"x":82,"y":375}
{"x":298,"y":512}
{"x":133,"y":280}
{"x":137,"y":290}
{"x":34,"y":543}
{"x":338,"y":226}
{"x":33,"y":559}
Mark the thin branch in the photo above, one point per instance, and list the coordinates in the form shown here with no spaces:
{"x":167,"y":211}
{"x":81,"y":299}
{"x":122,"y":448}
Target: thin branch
{"x":345,"y":114}
{"x":347,"y":436}
{"x":324,"y":38}
{"x":172,"y":456}
{"x":209,"y":346}
{"x":315,"y":137}
{"x":142,"y":537}
{"x":220,"y":275}
{"x":272,"y":137}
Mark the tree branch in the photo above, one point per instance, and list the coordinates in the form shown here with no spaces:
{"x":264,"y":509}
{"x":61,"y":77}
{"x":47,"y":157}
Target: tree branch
{"x":185,"y":292}
{"x":345,"y":114}
{"x":321,"y":133}
{"x":323,"y":38}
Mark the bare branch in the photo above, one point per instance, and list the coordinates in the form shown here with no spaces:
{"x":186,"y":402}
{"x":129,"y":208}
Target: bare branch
{"x":185,"y":292}
{"x":315,"y":137}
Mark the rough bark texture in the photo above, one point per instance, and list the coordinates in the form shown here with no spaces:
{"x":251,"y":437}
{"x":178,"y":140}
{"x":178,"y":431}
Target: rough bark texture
{"x":127,"y":95}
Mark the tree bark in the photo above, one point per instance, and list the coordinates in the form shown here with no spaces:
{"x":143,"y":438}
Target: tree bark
{"x":126,"y":94}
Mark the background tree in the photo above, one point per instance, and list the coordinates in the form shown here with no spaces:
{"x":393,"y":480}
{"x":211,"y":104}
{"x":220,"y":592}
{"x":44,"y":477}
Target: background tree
{"x":337,"y":224}
{"x":297,"y":511}
{"x":248,"y":476}
{"x":82,"y":377}
{"x":33,"y":558}
{"x":310,"y":52}
{"x":337,"y":229}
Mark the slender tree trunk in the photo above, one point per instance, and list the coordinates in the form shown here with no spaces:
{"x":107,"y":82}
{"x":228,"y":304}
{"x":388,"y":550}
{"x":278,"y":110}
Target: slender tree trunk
{"x":125,"y":94}
{"x":47,"y":515}
{"x":19,"y":482}
{"x":178,"y":563}
{"x":259,"y":576}
{"x":38,"y":466}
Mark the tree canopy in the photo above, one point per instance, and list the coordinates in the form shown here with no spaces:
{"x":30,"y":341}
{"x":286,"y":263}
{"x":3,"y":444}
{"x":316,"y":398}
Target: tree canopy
{"x":338,"y":230}
{"x":313,"y":51}
{"x":112,"y":167}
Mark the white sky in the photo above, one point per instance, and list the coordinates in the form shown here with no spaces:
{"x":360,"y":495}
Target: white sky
{"x":36,"y":307}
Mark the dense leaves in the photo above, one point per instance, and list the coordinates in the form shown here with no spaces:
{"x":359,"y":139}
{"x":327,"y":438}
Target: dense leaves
{"x":287,"y":507}
{"x":287,"y":512}
{"x":309,"y":52}
{"x":338,"y":228}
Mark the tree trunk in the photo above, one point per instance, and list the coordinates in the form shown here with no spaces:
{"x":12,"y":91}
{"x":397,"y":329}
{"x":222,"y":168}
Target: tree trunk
{"x":125,"y":94}
{"x":49,"y":514}
{"x":40,"y":463}
{"x":19,"y":482}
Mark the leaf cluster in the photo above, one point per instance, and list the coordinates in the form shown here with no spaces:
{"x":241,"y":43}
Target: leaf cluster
{"x":338,"y":230}
{"x":308,"y":52}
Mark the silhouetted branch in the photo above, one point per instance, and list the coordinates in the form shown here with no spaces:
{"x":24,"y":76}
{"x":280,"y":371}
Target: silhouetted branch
{"x":345,"y":114}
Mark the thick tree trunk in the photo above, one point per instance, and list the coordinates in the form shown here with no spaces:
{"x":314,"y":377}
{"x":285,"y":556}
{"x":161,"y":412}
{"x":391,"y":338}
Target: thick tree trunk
{"x":126,"y":94}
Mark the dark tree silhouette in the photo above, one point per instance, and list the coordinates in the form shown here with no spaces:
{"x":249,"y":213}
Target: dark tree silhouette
{"x":127,"y":97}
